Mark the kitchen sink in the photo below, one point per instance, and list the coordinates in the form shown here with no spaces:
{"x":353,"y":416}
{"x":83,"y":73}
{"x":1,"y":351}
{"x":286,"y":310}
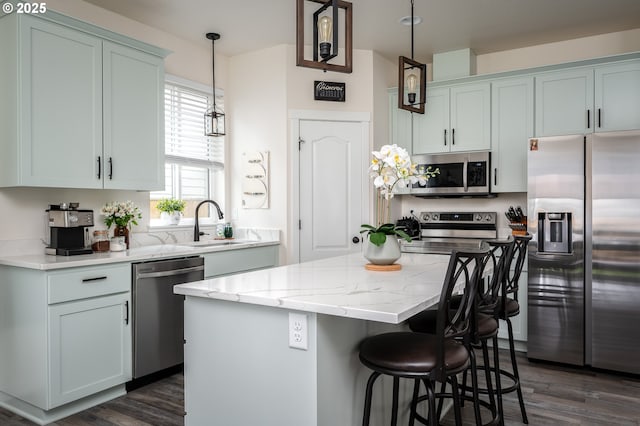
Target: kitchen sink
{"x":212,"y":243}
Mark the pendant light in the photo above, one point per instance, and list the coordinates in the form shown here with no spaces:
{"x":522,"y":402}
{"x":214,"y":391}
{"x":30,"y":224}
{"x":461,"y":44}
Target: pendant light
{"x":214,"y":117}
{"x":412,"y":75}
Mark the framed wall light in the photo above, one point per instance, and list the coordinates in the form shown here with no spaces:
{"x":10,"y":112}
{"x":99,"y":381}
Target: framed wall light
{"x":325,"y":22}
{"x":412,"y":77}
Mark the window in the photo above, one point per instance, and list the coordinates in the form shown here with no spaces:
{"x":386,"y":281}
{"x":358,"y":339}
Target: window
{"x":194,"y":163}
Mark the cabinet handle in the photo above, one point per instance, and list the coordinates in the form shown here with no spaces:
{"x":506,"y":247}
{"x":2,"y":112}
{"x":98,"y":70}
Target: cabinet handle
{"x":126,"y":312}
{"x":588,"y":119}
{"x":445,"y":137}
{"x":88,"y":280}
{"x":99,"y":167}
{"x":599,"y":117}
{"x":495,"y":176}
{"x":110,"y":168}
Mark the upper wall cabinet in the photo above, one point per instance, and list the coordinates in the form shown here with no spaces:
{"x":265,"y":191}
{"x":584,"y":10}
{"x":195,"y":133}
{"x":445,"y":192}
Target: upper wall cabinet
{"x":511,"y":128}
{"x":457,"y":118}
{"x":400,"y":123}
{"x":586,"y":100}
{"x":617,"y":97}
{"x":81,"y":108}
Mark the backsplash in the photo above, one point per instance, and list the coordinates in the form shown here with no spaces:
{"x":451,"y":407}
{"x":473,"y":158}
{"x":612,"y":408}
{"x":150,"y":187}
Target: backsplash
{"x":499,"y":204}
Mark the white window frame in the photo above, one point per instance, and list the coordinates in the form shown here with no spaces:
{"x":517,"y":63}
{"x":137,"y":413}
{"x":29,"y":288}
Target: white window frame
{"x":207,"y":221}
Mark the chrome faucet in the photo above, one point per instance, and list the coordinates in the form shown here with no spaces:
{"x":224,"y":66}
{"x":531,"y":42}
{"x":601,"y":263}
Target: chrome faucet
{"x":196,"y":228}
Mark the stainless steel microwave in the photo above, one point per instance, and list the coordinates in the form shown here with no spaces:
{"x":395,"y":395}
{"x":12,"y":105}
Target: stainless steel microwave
{"x":462,"y":174}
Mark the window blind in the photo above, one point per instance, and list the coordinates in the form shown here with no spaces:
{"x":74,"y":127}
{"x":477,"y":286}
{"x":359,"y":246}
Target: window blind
{"x":184,"y":128}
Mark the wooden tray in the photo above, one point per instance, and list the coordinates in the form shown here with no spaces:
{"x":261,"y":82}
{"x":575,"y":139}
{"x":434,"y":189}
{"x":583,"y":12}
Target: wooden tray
{"x":392,"y":267}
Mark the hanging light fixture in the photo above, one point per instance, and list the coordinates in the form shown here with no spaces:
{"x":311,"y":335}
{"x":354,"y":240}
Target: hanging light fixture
{"x":326,"y":25}
{"x":412,"y":79}
{"x":214,"y":117}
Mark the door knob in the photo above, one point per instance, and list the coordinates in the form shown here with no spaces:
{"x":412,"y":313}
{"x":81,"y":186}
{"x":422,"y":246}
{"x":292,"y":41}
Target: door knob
{"x":355,"y":240}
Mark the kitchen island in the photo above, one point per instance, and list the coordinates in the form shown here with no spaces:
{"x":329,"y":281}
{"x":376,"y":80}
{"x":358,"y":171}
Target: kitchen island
{"x":240,"y":368}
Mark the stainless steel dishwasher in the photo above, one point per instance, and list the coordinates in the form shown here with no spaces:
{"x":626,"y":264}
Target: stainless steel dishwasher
{"x":158,"y":314}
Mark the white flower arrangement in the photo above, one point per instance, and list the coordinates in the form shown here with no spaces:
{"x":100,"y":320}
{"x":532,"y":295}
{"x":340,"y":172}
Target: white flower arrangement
{"x":120,"y":213}
{"x":392,"y":166}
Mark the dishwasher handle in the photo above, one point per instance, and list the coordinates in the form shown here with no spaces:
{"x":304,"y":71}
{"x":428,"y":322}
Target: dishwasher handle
{"x":140,"y":275}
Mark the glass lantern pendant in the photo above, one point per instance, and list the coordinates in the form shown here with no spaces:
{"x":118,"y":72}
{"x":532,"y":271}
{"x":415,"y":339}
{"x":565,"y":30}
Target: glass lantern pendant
{"x":214,"y":117}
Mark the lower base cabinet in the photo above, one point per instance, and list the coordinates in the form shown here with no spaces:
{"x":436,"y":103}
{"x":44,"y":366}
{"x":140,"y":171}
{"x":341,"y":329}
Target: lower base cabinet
{"x":229,"y":262}
{"x":90,"y":347}
{"x":65,"y":339}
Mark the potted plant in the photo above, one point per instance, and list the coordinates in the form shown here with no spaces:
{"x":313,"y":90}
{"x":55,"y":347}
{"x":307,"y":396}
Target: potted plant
{"x":171,"y":210}
{"x":390,"y":166}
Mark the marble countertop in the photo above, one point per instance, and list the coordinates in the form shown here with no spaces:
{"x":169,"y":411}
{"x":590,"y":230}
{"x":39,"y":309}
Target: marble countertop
{"x":158,"y":251}
{"x":339,"y":286}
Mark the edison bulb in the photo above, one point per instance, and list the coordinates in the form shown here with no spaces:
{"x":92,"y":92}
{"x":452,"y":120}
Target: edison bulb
{"x":325,"y":33}
{"x":412,"y":87}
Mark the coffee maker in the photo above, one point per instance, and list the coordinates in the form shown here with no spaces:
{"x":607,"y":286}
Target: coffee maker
{"x":68,"y":227}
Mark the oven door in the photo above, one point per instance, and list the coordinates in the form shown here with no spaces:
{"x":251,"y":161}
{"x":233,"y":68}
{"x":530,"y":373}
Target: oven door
{"x":460,"y":174}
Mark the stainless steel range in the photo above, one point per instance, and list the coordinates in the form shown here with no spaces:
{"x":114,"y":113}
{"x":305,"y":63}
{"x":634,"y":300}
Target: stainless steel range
{"x":442,"y":232}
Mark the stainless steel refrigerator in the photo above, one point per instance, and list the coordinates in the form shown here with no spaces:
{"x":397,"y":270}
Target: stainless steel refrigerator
{"x":584,"y":257}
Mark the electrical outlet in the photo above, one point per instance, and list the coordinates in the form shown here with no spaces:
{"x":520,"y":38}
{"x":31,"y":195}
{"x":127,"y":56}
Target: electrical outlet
{"x":298,"y":331}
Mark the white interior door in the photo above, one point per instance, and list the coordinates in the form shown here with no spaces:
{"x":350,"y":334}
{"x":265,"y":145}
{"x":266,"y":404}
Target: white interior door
{"x":332,"y":197}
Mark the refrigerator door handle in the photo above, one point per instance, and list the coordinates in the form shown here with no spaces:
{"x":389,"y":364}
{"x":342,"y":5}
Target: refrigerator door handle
{"x":588,"y":119}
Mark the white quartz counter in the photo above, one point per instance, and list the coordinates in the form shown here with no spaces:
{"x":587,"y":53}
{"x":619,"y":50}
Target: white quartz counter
{"x":151,"y":252}
{"x":338,"y":286}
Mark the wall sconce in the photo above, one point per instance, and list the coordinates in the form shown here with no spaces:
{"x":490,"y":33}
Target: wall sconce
{"x":325,"y":35}
{"x":412,"y":75}
{"x":214,"y":117}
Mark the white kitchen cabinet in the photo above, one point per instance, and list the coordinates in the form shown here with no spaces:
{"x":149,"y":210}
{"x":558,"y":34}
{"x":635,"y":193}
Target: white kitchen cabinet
{"x":617,"y":97}
{"x":90,"y":347}
{"x":133,"y":90}
{"x":457,"y":118}
{"x":79,"y":111}
{"x":589,"y":99}
{"x":65,"y":336}
{"x":433,"y":126}
{"x":400,"y":123}
{"x":511,"y":127}
{"x":229,"y":262}
{"x":563,"y":102}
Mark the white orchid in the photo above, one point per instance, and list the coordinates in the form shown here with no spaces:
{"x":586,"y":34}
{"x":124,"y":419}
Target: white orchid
{"x":392,"y":166}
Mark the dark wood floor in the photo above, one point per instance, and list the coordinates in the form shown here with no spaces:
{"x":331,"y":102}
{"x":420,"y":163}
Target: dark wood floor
{"x":554,"y":395}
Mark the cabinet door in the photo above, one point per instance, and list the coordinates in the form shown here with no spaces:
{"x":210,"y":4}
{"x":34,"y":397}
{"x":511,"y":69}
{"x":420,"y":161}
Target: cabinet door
{"x":133,"y":119}
{"x":564,"y":102}
{"x":432,"y":128}
{"x":89,"y":347}
{"x":511,"y":127}
{"x":399,"y":123}
{"x":471,"y":117}
{"x":61,"y":105}
{"x":617,"y":97}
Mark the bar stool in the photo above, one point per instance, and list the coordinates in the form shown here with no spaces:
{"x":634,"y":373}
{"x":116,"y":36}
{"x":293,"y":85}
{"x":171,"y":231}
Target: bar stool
{"x":429,"y":357}
{"x":508,"y":308}
{"x":485,"y":329}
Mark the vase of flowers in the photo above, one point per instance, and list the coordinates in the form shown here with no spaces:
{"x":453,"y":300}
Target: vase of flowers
{"x":123,"y":215}
{"x":171,"y":210}
{"x":391,"y":167}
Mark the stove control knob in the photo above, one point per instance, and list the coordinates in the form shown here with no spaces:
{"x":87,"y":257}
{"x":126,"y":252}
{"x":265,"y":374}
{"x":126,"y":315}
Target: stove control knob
{"x":435,"y":217}
{"x":426,"y":217}
{"x":488,"y":218}
{"x":478,"y":218}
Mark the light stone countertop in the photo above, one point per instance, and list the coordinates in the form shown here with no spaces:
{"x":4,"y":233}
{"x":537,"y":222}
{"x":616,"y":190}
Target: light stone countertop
{"x":339,"y":286}
{"x":151,"y":252}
